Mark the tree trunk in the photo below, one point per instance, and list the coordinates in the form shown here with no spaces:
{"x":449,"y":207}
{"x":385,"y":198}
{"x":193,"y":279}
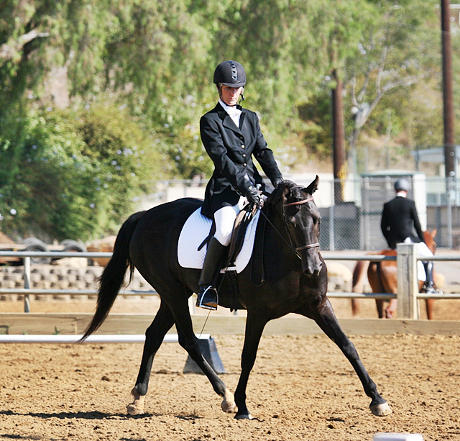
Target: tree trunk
{"x":449,"y":145}
{"x":338,"y":136}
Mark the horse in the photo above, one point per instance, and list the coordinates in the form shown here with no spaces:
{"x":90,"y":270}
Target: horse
{"x":295,"y":281}
{"x":383,"y":278}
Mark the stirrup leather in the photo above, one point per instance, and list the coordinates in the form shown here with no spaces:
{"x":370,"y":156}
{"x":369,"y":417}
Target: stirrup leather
{"x":207,"y":298}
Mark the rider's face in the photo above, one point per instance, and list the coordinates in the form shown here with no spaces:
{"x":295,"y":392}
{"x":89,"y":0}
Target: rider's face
{"x":230,"y":95}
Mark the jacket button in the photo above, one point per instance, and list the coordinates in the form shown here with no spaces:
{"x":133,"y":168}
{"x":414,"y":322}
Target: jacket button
{"x":244,"y":165}
{"x":242,"y":146}
{"x":244,"y":155}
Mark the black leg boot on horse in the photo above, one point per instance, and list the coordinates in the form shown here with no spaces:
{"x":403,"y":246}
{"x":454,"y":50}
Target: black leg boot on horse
{"x":207,"y":292}
{"x":428,"y":286}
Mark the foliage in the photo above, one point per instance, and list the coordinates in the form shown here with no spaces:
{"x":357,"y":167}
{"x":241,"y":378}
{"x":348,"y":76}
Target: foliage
{"x":155,"y":60}
{"x":76,"y":174}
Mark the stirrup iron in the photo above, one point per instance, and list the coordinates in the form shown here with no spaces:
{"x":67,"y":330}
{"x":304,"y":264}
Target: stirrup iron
{"x":207,"y":298}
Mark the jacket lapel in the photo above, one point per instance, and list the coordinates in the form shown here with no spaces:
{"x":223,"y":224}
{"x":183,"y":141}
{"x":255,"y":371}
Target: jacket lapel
{"x":227,"y":122}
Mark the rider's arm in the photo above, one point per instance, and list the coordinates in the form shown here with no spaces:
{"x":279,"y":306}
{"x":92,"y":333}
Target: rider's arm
{"x":416,"y":220}
{"x":385,"y":225}
{"x":264,"y":155}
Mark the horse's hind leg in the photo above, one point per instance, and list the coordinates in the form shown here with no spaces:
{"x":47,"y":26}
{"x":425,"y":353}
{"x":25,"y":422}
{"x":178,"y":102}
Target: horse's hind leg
{"x":376,"y":285}
{"x":379,"y":306}
{"x":154,"y":336}
{"x":326,"y":320}
{"x":429,"y":308}
{"x":189,"y":342}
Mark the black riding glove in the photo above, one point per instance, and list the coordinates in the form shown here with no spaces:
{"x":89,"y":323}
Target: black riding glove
{"x":254,"y":197}
{"x":277,"y":181}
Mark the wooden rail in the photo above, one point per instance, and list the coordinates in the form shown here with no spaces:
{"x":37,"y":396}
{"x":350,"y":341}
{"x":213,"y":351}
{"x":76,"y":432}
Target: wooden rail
{"x":406,"y":262}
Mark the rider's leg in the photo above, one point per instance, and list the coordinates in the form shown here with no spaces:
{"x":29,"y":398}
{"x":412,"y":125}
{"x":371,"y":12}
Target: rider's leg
{"x":428,"y":286}
{"x":423,"y":251}
{"x":215,"y":255}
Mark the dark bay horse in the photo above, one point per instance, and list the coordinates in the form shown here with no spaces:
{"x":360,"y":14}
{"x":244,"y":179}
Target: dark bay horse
{"x":295,"y":281}
{"x":383,"y":277}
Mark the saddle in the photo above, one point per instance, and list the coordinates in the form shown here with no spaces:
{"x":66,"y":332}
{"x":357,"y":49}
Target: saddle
{"x":240,"y":226}
{"x":239,"y":232}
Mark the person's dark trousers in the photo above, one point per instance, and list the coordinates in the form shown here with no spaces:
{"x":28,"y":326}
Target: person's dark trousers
{"x":207,"y":292}
{"x":429,"y":282}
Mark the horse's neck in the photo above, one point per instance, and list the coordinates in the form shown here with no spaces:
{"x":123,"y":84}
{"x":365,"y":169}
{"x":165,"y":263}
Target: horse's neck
{"x":276,"y":233}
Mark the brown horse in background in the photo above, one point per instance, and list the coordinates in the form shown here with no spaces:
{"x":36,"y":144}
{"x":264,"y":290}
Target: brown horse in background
{"x":383,"y":278}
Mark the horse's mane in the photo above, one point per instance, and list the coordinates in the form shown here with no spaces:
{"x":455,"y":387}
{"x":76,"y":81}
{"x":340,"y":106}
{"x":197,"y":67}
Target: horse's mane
{"x":282,"y":190}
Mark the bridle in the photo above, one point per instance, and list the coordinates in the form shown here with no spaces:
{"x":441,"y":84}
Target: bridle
{"x":303,"y":201}
{"x":297,"y":249}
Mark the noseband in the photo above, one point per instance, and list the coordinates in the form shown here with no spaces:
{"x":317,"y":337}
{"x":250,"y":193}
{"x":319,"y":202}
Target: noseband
{"x":309,"y":245}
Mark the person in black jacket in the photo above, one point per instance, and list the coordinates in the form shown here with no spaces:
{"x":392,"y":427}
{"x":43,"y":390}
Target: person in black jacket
{"x":231,"y":135}
{"x":399,"y":220}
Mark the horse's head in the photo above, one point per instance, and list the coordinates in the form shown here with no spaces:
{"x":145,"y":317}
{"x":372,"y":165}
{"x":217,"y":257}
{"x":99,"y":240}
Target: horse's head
{"x":428,"y":237}
{"x":297,"y":209}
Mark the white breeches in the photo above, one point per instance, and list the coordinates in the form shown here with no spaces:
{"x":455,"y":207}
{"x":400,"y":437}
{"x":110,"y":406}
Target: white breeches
{"x":225,"y":219}
{"x":421,"y":250}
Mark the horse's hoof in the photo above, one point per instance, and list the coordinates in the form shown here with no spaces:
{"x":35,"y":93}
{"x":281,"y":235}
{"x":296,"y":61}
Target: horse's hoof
{"x":228,"y":406}
{"x":382,"y":409}
{"x":137,"y":406}
{"x":135,"y":409}
{"x":243,"y":416}
{"x":228,"y":403}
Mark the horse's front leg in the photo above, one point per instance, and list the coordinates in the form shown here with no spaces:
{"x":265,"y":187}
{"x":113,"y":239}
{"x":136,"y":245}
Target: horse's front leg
{"x":254,"y":328}
{"x":326,"y":320}
{"x":390,"y":310}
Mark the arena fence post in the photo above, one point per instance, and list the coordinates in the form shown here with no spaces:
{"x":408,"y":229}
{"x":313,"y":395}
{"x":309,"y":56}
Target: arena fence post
{"x":27,"y":283}
{"x":407,"y":281}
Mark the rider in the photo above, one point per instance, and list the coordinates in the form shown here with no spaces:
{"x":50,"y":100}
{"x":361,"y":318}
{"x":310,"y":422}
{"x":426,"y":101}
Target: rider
{"x":230,"y":135}
{"x":399,"y":219}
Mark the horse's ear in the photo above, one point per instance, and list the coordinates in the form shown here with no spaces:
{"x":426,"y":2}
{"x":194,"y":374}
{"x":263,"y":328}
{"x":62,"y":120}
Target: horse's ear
{"x":433,"y":233}
{"x":313,"y":186}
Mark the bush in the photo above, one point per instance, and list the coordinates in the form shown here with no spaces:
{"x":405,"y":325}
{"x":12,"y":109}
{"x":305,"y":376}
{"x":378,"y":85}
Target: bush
{"x":75,"y":174}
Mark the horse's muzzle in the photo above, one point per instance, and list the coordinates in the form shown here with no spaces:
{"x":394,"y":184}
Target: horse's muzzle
{"x":311,"y":264}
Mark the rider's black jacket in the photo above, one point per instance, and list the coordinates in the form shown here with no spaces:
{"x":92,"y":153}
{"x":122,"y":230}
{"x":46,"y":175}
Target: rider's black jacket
{"x":399,"y":219}
{"x":231,"y":149}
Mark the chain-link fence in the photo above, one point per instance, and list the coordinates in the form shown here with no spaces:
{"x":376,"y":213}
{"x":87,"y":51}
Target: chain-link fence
{"x":352,"y":221}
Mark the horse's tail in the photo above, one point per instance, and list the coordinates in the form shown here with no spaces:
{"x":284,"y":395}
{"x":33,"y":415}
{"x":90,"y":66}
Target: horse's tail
{"x":358,"y":274}
{"x":113,"y":275}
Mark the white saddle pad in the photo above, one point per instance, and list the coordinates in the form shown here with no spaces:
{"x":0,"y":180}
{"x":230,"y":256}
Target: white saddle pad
{"x":196,"y":229}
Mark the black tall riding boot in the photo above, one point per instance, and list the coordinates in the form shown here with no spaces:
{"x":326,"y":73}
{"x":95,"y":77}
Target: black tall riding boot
{"x":207,"y":292}
{"x":428,"y":286}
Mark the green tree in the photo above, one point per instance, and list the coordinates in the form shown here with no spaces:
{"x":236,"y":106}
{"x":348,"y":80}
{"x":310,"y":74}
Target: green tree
{"x":395,"y":53}
{"x":78,"y":175}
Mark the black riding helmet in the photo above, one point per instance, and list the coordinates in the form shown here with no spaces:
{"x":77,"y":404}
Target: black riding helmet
{"x":230,"y":73}
{"x":401,"y":184}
